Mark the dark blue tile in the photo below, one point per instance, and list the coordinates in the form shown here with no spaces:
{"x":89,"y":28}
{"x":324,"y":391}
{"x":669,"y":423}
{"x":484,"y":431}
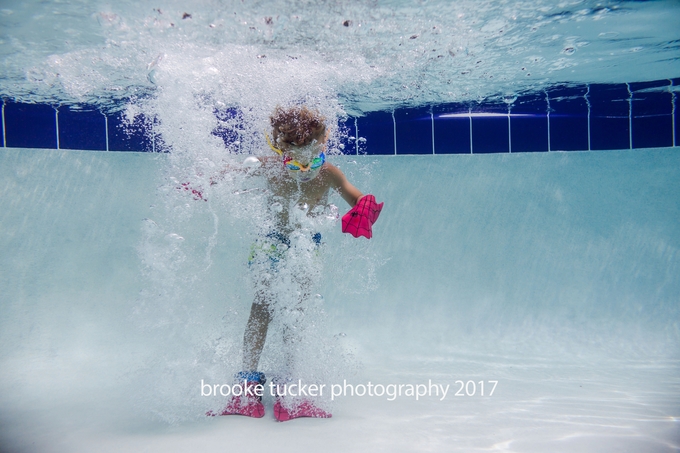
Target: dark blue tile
{"x":137,"y":136}
{"x":531,"y":103}
{"x":653,"y":131}
{"x":30,"y":125}
{"x":229,"y":128}
{"x":676,"y":121}
{"x":348,"y":136}
{"x":376,"y":133}
{"x":609,"y":100}
{"x":568,"y":132}
{"x":609,"y":116}
{"x":568,"y":120}
{"x":568,"y":99}
{"x":414,"y":130}
{"x":490,"y":133}
{"x":451,"y":129}
{"x":529,"y":123}
{"x":3,"y":125}
{"x":653,"y":117}
{"x":82,"y":128}
{"x":529,"y":133}
{"x":452,"y":135}
{"x":652,"y":103}
{"x":609,"y":133}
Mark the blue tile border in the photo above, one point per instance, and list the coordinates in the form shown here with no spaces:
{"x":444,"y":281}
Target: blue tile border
{"x":414,"y":131}
{"x":4,"y":140}
{"x":30,"y":126}
{"x":609,"y":113}
{"x":79,"y":127}
{"x":135,"y":136}
{"x":563,"y":117}
{"x":676,"y":116}
{"x":376,"y":133}
{"x":349,"y":141}
{"x":82,"y":128}
{"x":452,"y":129}
{"x":229,"y":128}
{"x":568,"y":118}
{"x":529,"y":123}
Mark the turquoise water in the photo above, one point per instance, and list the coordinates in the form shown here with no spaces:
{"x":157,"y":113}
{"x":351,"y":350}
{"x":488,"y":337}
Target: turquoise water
{"x":555,"y":275}
{"x":551,"y":280}
{"x":373,"y":55}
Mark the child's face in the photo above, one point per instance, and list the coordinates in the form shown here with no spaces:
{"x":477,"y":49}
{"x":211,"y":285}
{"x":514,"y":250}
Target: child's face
{"x":304,"y":162}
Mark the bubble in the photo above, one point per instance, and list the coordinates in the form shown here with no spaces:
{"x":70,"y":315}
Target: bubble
{"x":332,"y":212}
{"x":252,"y":162}
{"x":608,"y":35}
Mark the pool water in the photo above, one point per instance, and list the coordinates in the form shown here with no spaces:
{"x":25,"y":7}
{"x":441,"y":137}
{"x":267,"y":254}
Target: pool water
{"x":541,"y":289}
{"x":515,"y":273}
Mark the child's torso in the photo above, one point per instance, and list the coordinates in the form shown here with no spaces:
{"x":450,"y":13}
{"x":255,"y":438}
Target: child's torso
{"x":313,"y":193}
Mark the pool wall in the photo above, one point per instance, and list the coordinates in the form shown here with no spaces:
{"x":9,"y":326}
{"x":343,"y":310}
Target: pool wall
{"x":555,"y":274}
{"x":573,"y":250}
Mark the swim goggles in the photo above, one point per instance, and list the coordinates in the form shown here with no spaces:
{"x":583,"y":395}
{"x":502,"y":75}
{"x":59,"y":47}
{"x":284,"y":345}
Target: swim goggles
{"x":294,"y":165}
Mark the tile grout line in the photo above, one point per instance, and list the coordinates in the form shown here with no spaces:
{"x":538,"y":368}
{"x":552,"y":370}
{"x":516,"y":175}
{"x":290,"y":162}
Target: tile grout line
{"x":4,"y":134}
{"x":673,"y":97}
{"x":356,"y":136}
{"x":630,"y":117}
{"x":432,"y":123}
{"x":547,"y":100}
{"x":587,"y":98}
{"x":472,"y":150}
{"x":509,"y":133}
{"x":394,"y":132}
{"x":106,"y":129}
{"x":56,"y":123}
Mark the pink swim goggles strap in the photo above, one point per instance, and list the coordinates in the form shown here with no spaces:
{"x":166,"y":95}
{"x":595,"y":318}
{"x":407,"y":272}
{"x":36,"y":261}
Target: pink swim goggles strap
{"x":360,"y":219}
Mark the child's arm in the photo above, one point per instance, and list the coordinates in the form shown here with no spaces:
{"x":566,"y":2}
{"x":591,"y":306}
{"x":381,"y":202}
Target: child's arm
{"x":347,"y":191}
{"x":365,"y":210}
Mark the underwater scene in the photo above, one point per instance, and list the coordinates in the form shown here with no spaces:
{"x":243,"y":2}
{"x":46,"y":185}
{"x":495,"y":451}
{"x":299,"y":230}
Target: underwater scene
{"x":295,"y":226}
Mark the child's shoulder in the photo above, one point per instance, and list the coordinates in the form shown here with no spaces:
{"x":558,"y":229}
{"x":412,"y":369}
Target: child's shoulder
{"x":330,"y":173}
{"x":334,"y":173}
{"x":332,"y":169}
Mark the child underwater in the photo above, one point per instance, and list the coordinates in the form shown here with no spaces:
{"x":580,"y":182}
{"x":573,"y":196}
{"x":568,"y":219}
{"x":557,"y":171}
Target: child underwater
{"x":298,"y":175}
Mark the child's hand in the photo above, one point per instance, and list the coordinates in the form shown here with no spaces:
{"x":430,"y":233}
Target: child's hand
{"x":360,"y":219}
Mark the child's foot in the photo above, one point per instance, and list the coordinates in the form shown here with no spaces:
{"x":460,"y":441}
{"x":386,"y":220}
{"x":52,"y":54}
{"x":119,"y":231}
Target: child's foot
{"x":239,"y":405}
{"x":249,"y":402}
{"x":302,"y":409}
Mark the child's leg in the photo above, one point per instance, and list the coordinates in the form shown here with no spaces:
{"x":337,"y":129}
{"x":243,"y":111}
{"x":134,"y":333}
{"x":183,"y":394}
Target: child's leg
{"x":292,"y":331}
{"x":256,"y":332}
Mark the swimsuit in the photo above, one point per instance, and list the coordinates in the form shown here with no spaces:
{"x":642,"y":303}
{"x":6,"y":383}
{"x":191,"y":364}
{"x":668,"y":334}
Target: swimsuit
{"x":272,"y":248}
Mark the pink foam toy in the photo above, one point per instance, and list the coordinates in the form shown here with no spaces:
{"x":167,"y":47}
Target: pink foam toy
{"x":360,"y":219}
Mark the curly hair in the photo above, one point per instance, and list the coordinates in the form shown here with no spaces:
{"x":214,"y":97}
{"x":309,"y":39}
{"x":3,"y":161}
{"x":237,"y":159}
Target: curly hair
{"x":297,"y":126}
